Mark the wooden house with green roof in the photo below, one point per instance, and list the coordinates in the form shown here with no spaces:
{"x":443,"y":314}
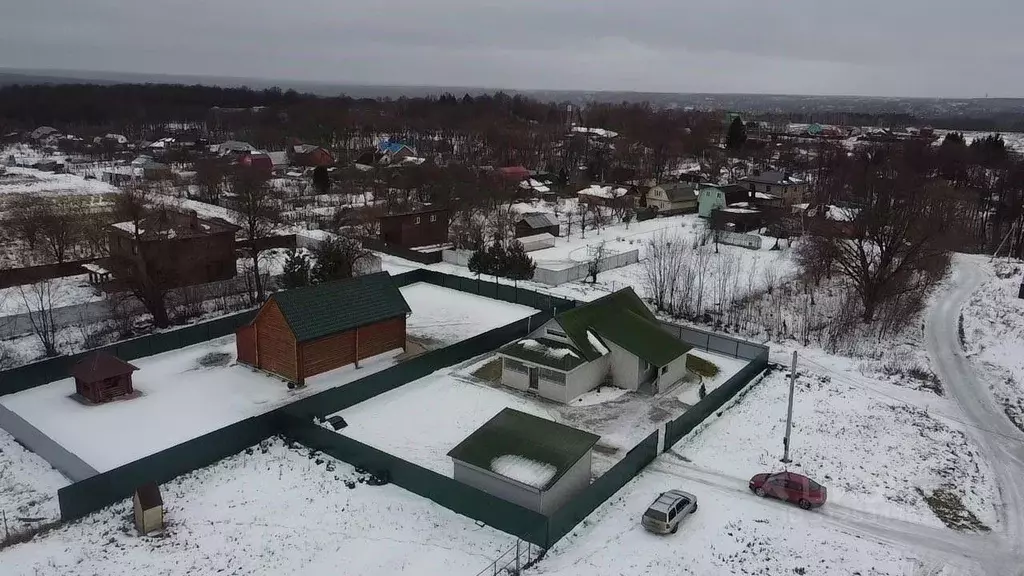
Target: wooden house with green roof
{"x":615,"y":339}
{"x":531,"y":461}
{"x":307,"y":331}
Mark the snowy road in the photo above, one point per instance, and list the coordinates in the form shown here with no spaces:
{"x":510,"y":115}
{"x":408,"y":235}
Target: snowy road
{"x":1001,"y":441}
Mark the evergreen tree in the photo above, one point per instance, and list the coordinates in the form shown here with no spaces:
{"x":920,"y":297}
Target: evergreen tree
{"x":296,"y":270}
{"x":321,"y":180}
{"x":336,"y":259}
{"x":520,"y":265}
{"x":497,"y":258}
{"x":478,"y":263}
{"x":736,"y":136}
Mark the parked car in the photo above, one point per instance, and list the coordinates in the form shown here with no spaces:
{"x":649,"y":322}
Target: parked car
{"x":668,"y":510}
{"x":791,"y":487}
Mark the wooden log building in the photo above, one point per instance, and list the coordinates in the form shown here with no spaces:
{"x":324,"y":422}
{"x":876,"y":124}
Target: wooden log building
{"x":307,"y":331}
{"x":101,"y":377}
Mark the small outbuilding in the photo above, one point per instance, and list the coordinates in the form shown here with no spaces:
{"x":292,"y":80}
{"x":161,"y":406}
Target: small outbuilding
{"x":149,"y":509}
{"x":533,"y":462}
{"x":533,"y":223}
{"x":101,"y":377}
{"x":537,"y":242}
{"x":307,"y":331}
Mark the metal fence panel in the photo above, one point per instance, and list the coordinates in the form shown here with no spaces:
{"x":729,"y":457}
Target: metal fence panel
{"x":456,"y":496}
{"x":723,"y":345}
{"x":573,"y":512}
{"x":56,"y":455}
{"x":97,"y":492}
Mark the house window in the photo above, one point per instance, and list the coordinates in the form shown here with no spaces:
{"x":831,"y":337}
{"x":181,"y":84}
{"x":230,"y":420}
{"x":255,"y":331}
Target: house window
{"x":552,"y":376}
{"x":752,"y":187}
{"x":416,"y":221}
{"x":433,"y":217}
{"x":767,"y":188}
{"x":664,"y":369}
{"x":515,"y":366}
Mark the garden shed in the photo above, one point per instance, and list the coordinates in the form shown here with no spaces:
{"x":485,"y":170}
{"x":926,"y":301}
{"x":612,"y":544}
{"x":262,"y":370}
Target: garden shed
{"x":101,"y":377}
{"x":307,"y":331}
{"x":530,"y":461}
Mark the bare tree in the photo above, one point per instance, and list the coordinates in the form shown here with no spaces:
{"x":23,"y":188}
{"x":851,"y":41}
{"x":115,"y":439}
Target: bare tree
{"x":210,"y":173}
{"x":581,"y":211}
{"x":136,"y":265}
{"x":701,"y":269}
{"x":258,"y":214}
{"x":594,"y":264}
{"x":24,"y":218}
{"x":662,"y":267}
{"x":40,"y":300}
{"x":58,"y":226}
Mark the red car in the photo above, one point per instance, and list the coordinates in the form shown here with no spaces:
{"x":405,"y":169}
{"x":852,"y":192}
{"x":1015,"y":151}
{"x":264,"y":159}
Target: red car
{"x":790,"y":487}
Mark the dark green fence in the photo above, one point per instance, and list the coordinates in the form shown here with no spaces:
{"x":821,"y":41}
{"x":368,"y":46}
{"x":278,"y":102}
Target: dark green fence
{"x":335,"y":399}
{"x":573,"y":512}
{"x":453,"y":495}
{"x":92,"y":494}
{"x":676,"y":429}
{"x":52,"y":369}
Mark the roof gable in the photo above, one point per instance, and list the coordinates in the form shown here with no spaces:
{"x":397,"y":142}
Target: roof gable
{"x":332,"y":307}
{"x":515,"y":433}
{"x":539,"y":219}
{"x":621,"y":317}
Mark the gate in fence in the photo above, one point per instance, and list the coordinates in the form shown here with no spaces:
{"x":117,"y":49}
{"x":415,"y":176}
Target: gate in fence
{"x":514,"y":560}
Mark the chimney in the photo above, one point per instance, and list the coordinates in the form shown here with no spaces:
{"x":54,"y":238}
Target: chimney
{"x":193,"y":220}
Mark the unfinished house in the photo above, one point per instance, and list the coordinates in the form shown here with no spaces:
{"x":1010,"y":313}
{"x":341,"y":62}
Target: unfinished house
{"x":613,"y":340}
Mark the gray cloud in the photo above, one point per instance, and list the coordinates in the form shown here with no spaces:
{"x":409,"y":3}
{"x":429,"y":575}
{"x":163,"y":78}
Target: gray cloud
{"x":887,"y":47}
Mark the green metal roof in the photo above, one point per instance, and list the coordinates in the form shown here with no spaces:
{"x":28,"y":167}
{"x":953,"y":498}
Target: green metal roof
{"x":621,"y":317}
{"x":516,"y":433}
{"x":554,"y":357}
{"x":317,"y":311}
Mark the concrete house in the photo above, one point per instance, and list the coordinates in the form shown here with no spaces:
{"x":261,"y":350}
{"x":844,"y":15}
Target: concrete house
{"x":530,"y":461}
{"x":789,"y":189}
{"x":307,"y":331}
{"x":673,"y":197}
{"x":613,"y":340}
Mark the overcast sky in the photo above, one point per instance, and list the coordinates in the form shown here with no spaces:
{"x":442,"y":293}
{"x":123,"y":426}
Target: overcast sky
{"x":951,"y":48}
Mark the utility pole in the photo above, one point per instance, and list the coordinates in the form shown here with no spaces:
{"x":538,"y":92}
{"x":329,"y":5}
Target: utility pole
{"x":789,"y":413}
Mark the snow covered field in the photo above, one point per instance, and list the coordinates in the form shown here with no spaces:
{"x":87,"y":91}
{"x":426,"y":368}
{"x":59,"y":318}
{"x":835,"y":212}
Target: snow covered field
{"x":440,"y":410}
{"x":730,"y":533}
{"x":446,"y":316}
{"x":32,"y":181}
{"x":275,"y":511}
{"x":877,"y":448}
{"x":66,"y":291}
{"x":183,"y":394}
{"x":28,"y":486}
{"x":754,"y":266}
{"x":993,"y":334}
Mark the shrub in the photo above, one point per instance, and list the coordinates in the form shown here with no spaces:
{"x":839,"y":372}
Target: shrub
{"x":701,"y":366}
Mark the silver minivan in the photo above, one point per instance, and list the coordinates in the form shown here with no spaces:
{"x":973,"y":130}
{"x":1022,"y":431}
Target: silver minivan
{"x":665,"y":513}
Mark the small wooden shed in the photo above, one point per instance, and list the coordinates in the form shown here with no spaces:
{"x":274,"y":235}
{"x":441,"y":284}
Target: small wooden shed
{"x":101,"y":377}
{"x":149,"y":509}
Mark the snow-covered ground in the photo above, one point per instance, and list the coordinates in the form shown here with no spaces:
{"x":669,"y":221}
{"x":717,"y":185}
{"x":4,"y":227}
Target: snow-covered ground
{"x":877,"y":448}
{"x":276,"y":510}
{"x":731,"y":533}
{"x":993,"y":334}
{"x":440,"y":410}
{"x":32,"y":181}
{"x":181,"y":395}
{"x":446,"y":316}
{"x":727,"y":367}
{"x":28,"y":486}
{"x":66,"y":291}
{"x":749,"y":270}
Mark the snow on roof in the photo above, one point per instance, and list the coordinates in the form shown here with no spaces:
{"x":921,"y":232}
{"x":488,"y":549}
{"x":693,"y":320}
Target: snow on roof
{"x":596,"y":343}
{"x":764,"y":196}
{"x":523,"y":469}
{"x":595,"y":131}
{"x":536,"y":346}
{"x":128,"y":227}
{"x":739,"y":210}
{"x":599,"y":191}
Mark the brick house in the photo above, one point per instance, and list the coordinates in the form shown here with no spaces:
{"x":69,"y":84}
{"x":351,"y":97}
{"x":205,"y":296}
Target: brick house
{"x":177,"y":249}
{"x":412,"y":229}
{"x":307,"y":331}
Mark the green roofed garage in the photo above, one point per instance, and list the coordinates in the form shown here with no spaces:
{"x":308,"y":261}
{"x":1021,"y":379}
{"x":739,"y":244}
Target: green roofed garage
{"x":527,"y":460}
{"x":613,"y":340}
